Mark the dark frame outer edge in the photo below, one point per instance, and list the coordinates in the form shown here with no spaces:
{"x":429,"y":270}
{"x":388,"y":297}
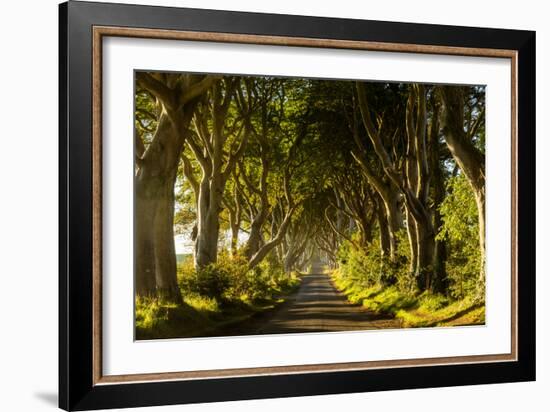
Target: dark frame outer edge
{"x":63,"y":377}
{"x":76,"y":389}
{"x":526,"y":223}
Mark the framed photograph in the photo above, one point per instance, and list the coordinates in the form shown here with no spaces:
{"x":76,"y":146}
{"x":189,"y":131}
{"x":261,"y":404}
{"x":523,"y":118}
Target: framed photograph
{"x":256,"y":206}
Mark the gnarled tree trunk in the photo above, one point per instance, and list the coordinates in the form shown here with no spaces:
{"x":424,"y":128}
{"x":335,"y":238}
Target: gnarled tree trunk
{"x":156,"y":168}
{"x":165,"y":251}
{"x":154,"y":232}
{"x":440,"y":281}
{"x":425,"y":239}
{"x":146,"y":202}
{"x":217,"y":162}
{"x":415,"y":186}
{"x":208,"y":226}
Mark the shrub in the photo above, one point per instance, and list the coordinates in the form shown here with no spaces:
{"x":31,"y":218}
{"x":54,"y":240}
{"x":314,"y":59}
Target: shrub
{"x":211,"y":281}
{"x":230,"y":280}
{"x":460,"y":230}
{"x":186,"y":275}
{"x":367,"y":268}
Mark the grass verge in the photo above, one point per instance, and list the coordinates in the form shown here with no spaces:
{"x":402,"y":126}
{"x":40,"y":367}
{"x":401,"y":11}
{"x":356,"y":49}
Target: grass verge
{"x":201,"y":315}
{"x":425,"y":310}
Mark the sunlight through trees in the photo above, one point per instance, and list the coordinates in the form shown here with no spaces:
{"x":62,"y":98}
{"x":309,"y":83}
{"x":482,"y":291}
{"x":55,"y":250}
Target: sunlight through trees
{"x":383,"y":184}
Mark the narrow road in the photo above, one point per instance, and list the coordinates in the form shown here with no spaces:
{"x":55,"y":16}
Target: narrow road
{"x":316,"y":307}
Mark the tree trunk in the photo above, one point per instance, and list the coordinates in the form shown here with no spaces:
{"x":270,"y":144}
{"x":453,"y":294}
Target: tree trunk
{"x":289,"y":261}
{"x":208,"y":227}
{"x":273,"y":243}
{"x":415,"y":186}
{"x":234,"y":223}
{"x":391,"y":204}
{"x":296,"y":249}
{"x":425,"y":243}
{"x":255,"y":240}
{"x":234,"y":239}
{"x":387,"y":248}
{"x":152,"y":177}
{"x":413,"y":242}
{"x":165,"y":252}
{"x":217,"y":164}
{"x":383,"y":227}
{"x":480,"y":201}
{"x":206,"y":246}
{"x":156,"y":168}
{"x":440,"y":281}
{"x":146,"y":203}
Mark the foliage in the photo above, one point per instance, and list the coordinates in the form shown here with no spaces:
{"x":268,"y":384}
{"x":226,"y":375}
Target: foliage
{"x":146,"y":113}
{"x":461,"y":231}
{"x":361,"y":274}
{"x":367,"y":268}
{"x":230,"y":280}
{"x":215,"y":296}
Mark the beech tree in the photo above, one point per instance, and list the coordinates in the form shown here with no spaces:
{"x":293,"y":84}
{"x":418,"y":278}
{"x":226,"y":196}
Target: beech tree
{"x":219,"y":140}
{"x":414,"y":182}
{"x":173,"y":99}
{"x":385,"y":195}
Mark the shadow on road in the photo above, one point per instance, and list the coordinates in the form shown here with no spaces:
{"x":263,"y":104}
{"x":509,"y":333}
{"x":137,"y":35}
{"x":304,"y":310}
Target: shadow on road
{"x":316,"y":307}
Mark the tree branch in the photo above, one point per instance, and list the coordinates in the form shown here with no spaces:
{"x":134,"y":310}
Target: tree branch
{"x":155,"y":87}
{"x":197,"y":89}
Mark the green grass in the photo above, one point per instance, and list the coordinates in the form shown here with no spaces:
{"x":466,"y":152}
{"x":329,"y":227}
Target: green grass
{"x":413,"y":311}
{"x":202,"y":315}
{"x":354,"y":290}
{"x":156,"y":318}
{"x":462,"y":312}
{"x":389,"y":301}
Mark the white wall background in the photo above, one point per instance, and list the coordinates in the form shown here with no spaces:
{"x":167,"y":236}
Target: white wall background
{"x":28,"y":203}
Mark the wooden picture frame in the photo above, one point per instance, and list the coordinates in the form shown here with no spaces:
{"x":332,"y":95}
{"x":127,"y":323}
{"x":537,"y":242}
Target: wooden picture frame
{"x":82,"y":385}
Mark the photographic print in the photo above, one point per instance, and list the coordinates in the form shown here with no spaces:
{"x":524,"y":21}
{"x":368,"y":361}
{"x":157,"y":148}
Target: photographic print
{"x":256,"y":206}
{"x":269,"y":205}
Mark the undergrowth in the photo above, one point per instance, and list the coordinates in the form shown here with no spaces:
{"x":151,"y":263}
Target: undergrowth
{"x":413,"y":310}
{"x":220,"y":294}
